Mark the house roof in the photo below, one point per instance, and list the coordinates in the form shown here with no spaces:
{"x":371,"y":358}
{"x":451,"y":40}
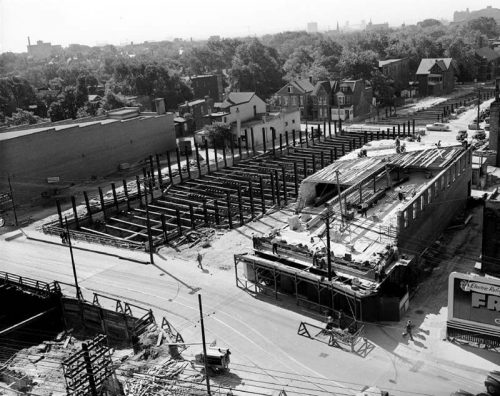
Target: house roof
{"x":426,"y":64}
{"x":303,"y":86}
{"x":236,"y":98}
{"x":326,"y":85}
{"x":387,"y":61}
{"x":487,"y":53}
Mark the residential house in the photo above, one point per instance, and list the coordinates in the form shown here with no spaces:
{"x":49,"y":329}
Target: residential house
{"x":436,"y":76}
{"x":487,"y":62}
{"x":199,"y":110}
{"x":352,"y":100}
{"x":238,"y":106}
{"x":322,"y":100}
{"x":396,"y":69}
{"x":296,"y":94}
{"x":250,"y":122}
{"x":207,"y":85}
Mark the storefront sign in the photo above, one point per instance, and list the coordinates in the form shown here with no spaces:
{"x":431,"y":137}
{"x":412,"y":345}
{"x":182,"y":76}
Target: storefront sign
{"x":474,"y":300}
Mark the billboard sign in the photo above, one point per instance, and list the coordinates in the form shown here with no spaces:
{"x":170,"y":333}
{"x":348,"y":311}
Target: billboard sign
{"x":474,"y":300}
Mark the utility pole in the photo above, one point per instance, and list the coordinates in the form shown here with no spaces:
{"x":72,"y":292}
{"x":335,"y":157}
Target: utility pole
{"x":12,"y":199}
{"x":78,"y":291}
{"x":148,"y":221}
{"x":204,"y":346}
{"x":328,"y":250}
{"x":478,"y":105}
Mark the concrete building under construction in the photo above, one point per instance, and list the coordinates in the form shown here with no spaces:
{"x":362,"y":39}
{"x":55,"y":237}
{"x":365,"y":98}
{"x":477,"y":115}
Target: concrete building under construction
{"x":375,"y":215}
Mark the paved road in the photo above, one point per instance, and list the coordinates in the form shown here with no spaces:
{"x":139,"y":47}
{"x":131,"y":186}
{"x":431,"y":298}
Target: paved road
{"x":267,"y":353}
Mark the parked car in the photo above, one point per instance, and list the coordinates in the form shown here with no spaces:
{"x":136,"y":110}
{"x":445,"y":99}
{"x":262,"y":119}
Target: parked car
{"x":460,"y":109}
{"x":461,"y":135}
{"x":474,"y":126}
{"x":492,"y":383}
{"x":437,"y":126}
{"x":453,"y":116}
{"x":480,"y":134}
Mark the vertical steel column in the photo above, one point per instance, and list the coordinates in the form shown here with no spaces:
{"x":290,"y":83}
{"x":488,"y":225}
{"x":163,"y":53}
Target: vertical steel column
{"x":229,"y":214}
{"x":59,"y":213}
{"x":277,"y":180}
{"x":115,"y":198}
{"x":240,"y":206}
{"x":179,"y":169}
{"x":198,"y":164}
{"x":164,"y":227}
{"x":158,"y":165}
{"x":188,"y":168}
{"x":139,"y":194}
{"x":250,"y":193}
{"x":75,"y":213}
{"x":178,"y":217}
{"x":169,"y":164}
{"x":207,"y":159}
{"x":87,"y":205}
{"x":224,"y":155}
{"x":216,"y":212}
{"x":262,"y":198}
{"x":191,"y":216}
{"x":285,"y":192}
{"x":101,"y":197}
{"x":296,"y":178}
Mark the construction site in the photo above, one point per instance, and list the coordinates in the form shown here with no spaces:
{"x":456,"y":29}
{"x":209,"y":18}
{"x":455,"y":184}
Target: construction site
{"x":320,"y":225}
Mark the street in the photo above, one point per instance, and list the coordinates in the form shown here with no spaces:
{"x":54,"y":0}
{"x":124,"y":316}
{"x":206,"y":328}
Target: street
{"x":267,"y":352}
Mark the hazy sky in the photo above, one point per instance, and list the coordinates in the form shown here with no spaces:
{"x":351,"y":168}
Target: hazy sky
{"x":117,"y":21}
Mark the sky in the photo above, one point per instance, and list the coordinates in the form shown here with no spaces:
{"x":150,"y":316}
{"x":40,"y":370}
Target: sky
{"x":94,"y":22}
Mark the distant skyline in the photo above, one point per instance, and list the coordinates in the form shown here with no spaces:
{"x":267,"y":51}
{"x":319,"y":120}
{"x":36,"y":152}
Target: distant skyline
{"x":116,"y":22}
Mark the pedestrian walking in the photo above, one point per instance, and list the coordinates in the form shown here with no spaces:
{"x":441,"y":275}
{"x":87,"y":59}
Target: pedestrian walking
{"x":274,"y":242}
{"x":199,"y":258}
{"x":364,"y":209}
{"x":408,"y":329}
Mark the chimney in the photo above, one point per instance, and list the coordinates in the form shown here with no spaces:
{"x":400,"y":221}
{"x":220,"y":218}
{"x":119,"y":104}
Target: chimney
{"x":160,"y":105}
{"x":29,"y":42}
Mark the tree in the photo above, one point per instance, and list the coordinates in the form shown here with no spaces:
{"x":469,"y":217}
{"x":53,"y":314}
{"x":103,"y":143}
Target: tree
{"x":486,"y":26}
{"x":357,"y":64}
{"x":22,"y":117}
{"x":256,"y":68}
{"x":429,"y":23}
{"x":220,"y":133}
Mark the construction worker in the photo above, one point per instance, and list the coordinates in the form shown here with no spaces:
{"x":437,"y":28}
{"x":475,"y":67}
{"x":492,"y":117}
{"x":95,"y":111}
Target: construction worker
{"x":408,"y":329}
{"x":199,"y":258}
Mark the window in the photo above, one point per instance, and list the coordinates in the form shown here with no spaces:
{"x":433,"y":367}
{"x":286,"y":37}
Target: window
{"x":405,"y":218}
{"x":289,"y":89}
{"x":429,"y":195}
{"x":422,"y":202}
{"x":286,"y":123}
{"x":293,"y":121}
{"x":301,"y":100}
{"x":341,"y":100}
{"x":225,"y":119}
{"x":285,"y":99}
{"x":348,"y":100}
{"x":414,"y":210}
{"x":294,"y":101}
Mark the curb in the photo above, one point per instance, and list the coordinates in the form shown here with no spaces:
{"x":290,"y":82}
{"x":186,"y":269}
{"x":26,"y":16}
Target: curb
{"x":89,"y":250}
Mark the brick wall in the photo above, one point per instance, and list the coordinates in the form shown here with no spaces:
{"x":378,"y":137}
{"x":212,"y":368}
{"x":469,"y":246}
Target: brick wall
{"x":75,"y":154}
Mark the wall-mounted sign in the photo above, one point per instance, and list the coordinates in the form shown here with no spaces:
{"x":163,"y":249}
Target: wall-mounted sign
{"x":474,"y":300}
